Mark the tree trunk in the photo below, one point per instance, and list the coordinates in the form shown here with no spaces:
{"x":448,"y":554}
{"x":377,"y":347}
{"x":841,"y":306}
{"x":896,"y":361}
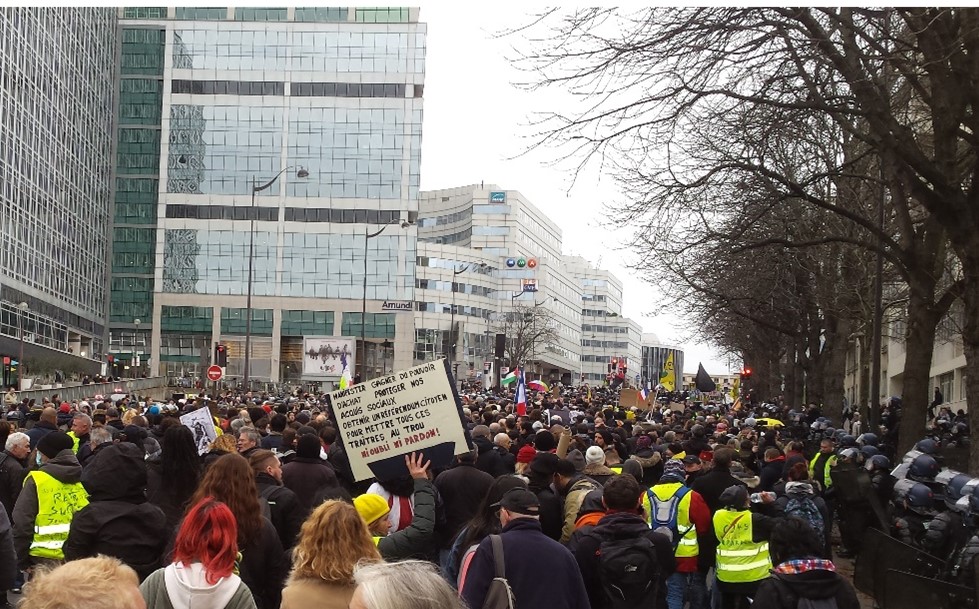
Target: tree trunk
{"x":922,"y":325}
{"x":833,"y":368}
{"x":970,"y":343}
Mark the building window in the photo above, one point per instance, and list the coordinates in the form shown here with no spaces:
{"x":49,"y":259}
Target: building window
{"x":379,"y":325}
{"x":307,"y":323}
{"x":946,"y":383}
{"x":144,"y":12}
{"x":186,"y":319}
{"x":234,"y":321}
{"x":195,"y":13}
{"x":250,"y":13}
{"x":321,"y":13}
{"x":381,"y":15}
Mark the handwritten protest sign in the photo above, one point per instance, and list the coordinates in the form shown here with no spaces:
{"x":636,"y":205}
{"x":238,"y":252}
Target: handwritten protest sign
{"x":383,"y":419}
{"x":200,"y":422}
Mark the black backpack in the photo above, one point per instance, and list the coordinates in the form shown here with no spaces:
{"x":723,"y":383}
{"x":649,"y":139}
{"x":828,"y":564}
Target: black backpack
{"x":629,"y":572}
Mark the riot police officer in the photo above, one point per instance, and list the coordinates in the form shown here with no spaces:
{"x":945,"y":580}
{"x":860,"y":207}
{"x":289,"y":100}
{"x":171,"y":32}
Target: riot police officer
{"x":915,"y":506}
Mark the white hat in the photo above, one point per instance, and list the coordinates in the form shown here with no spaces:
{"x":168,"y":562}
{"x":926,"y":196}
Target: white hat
{"x":595,"y":455}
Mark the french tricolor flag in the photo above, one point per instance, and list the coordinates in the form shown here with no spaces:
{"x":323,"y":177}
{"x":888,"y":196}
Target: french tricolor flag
{"x":521,"y":396}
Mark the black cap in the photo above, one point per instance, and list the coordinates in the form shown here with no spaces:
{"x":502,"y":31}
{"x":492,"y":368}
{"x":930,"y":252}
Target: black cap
{"x":544,"y":463}
{"x":691,"y":460}
{"x":520,"y":501}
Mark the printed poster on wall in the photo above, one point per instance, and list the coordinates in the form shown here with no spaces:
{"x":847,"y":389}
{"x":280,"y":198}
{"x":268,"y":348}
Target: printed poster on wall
{"x":329,"y":356}
{"x":383,"y":419}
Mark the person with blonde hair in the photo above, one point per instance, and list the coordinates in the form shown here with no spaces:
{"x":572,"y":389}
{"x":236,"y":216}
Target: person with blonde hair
{"x":333,"y":540}
{"x":90,"y":583}
{"x":409,"y":584}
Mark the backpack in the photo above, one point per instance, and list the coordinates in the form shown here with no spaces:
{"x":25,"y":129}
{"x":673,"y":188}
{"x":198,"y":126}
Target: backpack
{"x":788,"y":598}
{"x":629,"y":572}
{"x":806,"y":509}
{"x":499,"y":595}
{"x":664,"y":515}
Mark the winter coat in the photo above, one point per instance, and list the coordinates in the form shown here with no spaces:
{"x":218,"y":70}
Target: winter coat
{"x":556,"y":581}
{"x":462,"y":489}
{"x":172,"y":505}
{"x":184,"y":593}
{"x":40,"y":429}
{"x":8,"y":558}
{"x":418,"y":540}
{"x":63,"y":468}
{"x":118,"y":521}
{"x":551,"y":508}
{"x":598,"y":473}
{"x":285,"y":512}
{"x":617,"y":525}
{"x":770,"y":473}
{"x":712,"y":484}
{"x":12,"y":474}
{"x":304,"y":476}
{"x":311,"y":593}
{"x":782,"y":591}
{"x":490,"y":460}
{"x":778,"y":509}
{"x":264,"y":566}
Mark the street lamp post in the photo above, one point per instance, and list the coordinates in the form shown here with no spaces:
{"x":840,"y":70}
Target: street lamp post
{"x":363,"y":297}
{"x":23,"y":307}
{"x":136,"y":362}
{"x":256,"y":188}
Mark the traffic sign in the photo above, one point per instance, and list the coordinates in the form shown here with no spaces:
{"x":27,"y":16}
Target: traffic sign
{"x":214,"y":373}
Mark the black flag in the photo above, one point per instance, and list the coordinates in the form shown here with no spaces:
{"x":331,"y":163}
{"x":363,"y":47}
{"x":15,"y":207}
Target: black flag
{"x":705,"y":384}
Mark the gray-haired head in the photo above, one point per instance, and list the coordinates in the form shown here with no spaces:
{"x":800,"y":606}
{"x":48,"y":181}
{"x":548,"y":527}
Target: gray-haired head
{"x":99,"y":436}
{"x":409,"y":584}
{"x":17,"y":438}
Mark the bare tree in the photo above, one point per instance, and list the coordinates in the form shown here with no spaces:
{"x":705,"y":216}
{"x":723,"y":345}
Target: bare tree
{"x":530,"y":331}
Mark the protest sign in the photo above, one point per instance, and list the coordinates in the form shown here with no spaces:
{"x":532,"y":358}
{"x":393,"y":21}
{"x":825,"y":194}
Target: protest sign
{"x":202,"y":425}
{"x":414,"y":410}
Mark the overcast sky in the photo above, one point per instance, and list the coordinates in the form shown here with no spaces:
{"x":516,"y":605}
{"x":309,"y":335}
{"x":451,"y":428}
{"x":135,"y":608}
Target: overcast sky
{"x":476,"y":122}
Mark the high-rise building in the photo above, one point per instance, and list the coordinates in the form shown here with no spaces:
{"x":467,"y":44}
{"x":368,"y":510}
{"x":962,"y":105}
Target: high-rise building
{"x":56,"y":109}
{"x":654,"y":356}
{"x":216,"y":103}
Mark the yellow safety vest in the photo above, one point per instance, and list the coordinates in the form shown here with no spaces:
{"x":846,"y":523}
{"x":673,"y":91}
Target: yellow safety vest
{"x":76,"y":441}
{"x":616,"y":469}
{"x":687,"y":548}
{"x":57,"y":503}
{"x":827,"y":481}
{"x":377,"y":540}
{"x":739,"y":559}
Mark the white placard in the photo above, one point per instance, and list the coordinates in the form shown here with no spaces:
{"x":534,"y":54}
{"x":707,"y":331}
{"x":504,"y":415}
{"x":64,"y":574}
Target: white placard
{"x":397,"y":414}
{"x":328,"y":356}
{"x":202,"y":425}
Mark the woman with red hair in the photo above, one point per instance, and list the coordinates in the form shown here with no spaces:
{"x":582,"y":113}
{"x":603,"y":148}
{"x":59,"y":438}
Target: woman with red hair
{"x":201,"y":575}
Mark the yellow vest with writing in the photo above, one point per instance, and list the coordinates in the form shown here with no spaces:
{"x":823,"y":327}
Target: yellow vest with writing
{"x":57,"y":503}
{"x":739,"y":559}
{"x":687,"y":547}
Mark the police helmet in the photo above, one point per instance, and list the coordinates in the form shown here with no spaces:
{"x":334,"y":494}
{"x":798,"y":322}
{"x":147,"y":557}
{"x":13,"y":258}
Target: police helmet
{"x":829,"y":433}
{"x":849,"y":453}
{"x":749,"y":422}
{"x":847,"y":441}
{"x":953,"y":490}
{"x":923,"y":468}
{"x":927,"y":446}
{"x":869,"y":451}
{"x":868,"y":439}
{"x":878,"y":462}
{"x":839,"y":433}
{"x":974,"y":500}
{"x":920,"y":498}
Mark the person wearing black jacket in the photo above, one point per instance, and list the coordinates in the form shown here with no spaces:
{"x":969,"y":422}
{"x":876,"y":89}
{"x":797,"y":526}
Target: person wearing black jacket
{"x":622,"y":498}
{"x":284,"y":510}
{"x":489,"y":460}
{"x":462,"y":488}
{"x":45,"y":425}
{"x":541,"y":472}
{"x":713,"y":483}
{"x":771,"y":471}
{"x":118,"y":521}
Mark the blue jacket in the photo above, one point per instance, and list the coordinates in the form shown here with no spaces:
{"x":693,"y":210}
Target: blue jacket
{"x":541,"y":572}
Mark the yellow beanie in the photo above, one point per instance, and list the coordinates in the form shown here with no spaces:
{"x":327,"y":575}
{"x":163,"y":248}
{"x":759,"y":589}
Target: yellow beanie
{"x":371,"y":507}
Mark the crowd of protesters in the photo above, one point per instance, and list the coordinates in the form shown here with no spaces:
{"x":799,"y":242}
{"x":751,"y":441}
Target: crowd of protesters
{"x":578,"y":503}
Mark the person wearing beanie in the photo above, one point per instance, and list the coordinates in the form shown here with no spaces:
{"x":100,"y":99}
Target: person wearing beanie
{"x":742,"y":557}
{"x":47,"y":503}
{"x":692,"y":532}
{"x":416,"y":541}
{"x":525,"y":455}
{"x":595,"y":465}
{"x":307,"y":474}
{"x":544,"y":441}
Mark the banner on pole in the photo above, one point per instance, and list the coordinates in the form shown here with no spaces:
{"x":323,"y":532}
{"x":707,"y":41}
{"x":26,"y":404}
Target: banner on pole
{"x":201,"y":425}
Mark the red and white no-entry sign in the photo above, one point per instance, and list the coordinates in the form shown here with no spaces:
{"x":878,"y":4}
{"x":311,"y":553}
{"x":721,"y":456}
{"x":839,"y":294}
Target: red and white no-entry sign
{"x":214,"y":373}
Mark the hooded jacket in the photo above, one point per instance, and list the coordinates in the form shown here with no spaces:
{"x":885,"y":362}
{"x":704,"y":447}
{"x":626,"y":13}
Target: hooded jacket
{"x":489,"y":460}
{"x":783,"y":591}
{"x":801,"y":490}
{"x":185,"y":587}
{"x":118,"y":521}
{"x":63,"y":468}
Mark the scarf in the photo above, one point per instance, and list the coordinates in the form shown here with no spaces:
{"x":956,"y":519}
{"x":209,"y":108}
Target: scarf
{"x":803,"y":565}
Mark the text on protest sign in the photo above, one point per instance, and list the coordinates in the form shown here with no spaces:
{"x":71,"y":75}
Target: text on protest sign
{"x":384,"y":418}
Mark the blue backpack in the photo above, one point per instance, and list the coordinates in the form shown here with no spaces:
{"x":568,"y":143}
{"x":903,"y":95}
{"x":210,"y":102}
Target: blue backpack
{"x":664,"y":513}
{"x":806,"y":509}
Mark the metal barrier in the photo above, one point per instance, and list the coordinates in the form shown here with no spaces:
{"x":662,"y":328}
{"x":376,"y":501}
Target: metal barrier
{"x":911,"y":591}
{"x":881,"y":553}
{"x":80,"y":392}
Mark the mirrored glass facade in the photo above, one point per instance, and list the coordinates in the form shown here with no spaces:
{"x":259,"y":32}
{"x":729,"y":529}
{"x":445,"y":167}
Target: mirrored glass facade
{"x":248,"y":95}
{"x":56,"y":105}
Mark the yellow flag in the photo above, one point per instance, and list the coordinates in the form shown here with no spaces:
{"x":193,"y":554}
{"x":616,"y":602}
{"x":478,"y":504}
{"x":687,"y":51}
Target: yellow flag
{"x":343,"y":381}
{"x":735,"y":387}
{"x":667,"y":378}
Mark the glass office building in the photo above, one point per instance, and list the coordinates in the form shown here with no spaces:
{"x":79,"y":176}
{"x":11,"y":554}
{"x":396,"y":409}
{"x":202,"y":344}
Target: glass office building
{"x":232,"y":98}
{"x":56,"y":140}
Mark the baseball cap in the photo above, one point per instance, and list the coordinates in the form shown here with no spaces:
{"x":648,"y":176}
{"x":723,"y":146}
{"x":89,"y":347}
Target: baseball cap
{"x":520,"y":501}
{"x":691,"y":460}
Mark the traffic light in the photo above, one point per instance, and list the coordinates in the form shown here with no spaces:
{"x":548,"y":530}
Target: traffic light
{"x":746,"y":374}
{"x":221,"y":355}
